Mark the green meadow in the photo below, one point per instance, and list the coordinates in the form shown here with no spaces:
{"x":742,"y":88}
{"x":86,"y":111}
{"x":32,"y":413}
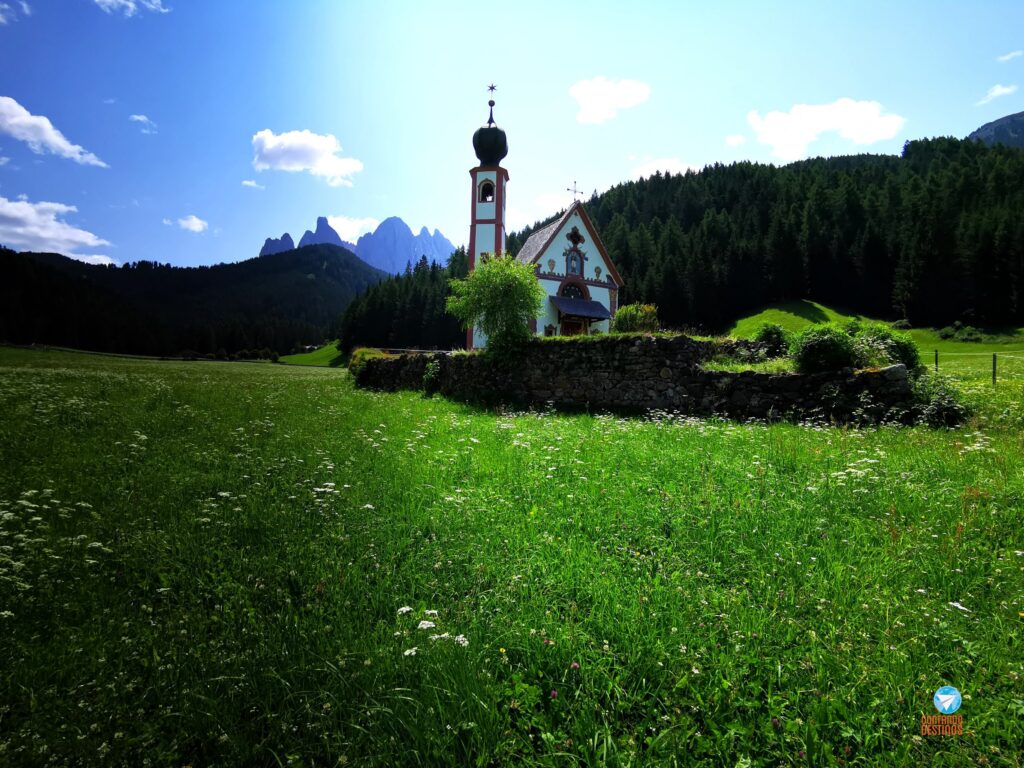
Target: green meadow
{"x":327,"y":355}
{"x":207,"y":563}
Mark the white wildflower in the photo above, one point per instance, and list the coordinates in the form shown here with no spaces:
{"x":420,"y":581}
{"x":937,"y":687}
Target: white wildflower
{"x":410,"y":651}
{"x":404,"y":609}
{"x":426,"y":625}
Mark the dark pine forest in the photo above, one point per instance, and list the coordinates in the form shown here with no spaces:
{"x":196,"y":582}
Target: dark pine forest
{"x":270,"y":304}
{"x":932,"y":236}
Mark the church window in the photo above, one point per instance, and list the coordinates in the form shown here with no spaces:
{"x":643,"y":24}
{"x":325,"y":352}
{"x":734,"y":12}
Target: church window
{"x":549,"y":330}
{"x":572,"y":291}
{"x":487,"y":192}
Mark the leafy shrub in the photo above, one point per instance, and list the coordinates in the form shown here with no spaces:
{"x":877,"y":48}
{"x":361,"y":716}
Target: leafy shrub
{"x":635,"y":318}
{"x":960,"y":332}
{"x":774,"y":335}
{"x":500,"y":297}
{"x":878,"y":345}
{"x":970,"y":333}
{"x":941,"y":404}
{"x":431,"y":376}
{"x":902,"y":325}
{"x":823,"y":347}
{"x":361,"y":356}
{"x":853,"y":326}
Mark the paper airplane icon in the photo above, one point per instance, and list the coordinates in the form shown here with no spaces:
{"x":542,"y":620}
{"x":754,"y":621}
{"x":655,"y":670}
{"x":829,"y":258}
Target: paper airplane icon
{"x":946,"y":700}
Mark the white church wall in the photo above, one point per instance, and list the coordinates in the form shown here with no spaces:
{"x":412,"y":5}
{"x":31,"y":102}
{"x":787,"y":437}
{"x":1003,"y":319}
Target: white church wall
{"x":484,"y":239}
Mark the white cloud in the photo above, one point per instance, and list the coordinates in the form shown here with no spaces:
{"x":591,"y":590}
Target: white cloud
{"x":735,"y":140}
{"x":252,"y":184}
{"x":995,"y":92}
{"x":350,"y":228}
{"x":131,"y":7}
{"x":148,"y":126}
{"x":8,"y":13}
{"x":96,"y":258}
{"x":23,"y":197}
{"x":296,"y":151}
{"x":4,"y":161}
{"x":40,"y":226}
{"x":110,"y":101}
{"x":1010,"y":56}
{"x":789,"y":134}
{"x":193,"y":223}
{"x":664,"y":165}
{"x":601,"y":99}
{"x":167,"y":222}
{"x":39,"y":133}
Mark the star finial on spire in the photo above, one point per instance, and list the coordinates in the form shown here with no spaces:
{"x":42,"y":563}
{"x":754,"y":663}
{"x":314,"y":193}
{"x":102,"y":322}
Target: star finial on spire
{"x":492,"y":87}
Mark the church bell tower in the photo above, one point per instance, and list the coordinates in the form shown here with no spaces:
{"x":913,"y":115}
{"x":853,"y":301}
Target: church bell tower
{"x":487,"y":222}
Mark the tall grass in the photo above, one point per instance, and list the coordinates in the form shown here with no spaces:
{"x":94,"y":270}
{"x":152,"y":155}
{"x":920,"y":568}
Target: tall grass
{"x":257,"y":565}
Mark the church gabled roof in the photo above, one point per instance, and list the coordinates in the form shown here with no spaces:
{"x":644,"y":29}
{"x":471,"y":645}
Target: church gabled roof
{"x":539,"y":241}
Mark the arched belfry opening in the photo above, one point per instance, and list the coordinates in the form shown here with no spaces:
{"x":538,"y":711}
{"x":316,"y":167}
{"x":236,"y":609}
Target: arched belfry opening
{"x":487,"y":192}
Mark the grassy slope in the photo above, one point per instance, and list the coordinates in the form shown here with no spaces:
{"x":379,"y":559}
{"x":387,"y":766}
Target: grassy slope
{"x":969,"y":362}
{"x":206,"y":565}
{"x":326,"y":356}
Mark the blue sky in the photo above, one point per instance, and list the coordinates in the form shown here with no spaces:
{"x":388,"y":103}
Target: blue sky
{"x":127,"y":127}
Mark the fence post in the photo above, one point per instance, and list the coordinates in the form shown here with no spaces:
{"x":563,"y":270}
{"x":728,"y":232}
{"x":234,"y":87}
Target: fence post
{"x":936,"y":361}
{"x":993,"y":369}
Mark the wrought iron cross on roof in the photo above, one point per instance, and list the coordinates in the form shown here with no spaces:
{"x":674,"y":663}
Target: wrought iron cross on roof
{"x":574,"y":191}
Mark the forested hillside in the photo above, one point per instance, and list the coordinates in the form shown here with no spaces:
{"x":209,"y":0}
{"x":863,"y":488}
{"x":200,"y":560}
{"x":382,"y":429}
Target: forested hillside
{"x":933,"y":236}
{"x":274,"y":302}
{"x":407,"y":310}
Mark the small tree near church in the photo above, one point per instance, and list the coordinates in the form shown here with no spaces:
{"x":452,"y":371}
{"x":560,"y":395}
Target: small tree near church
{"x":500,"y":297}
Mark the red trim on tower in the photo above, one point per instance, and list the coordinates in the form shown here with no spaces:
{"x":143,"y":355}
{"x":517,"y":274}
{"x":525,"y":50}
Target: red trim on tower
{"x":500,"y":179}
{"x":472,"y":232}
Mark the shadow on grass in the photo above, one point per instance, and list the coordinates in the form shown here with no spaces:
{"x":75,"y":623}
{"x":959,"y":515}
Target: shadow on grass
{"x":805,"y":310}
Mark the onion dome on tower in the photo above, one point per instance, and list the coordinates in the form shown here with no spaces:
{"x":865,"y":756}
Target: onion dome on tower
{"x":489,"y":141}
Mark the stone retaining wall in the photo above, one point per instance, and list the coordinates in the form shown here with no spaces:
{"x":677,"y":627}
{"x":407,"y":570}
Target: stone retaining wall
{"x":649,"y":373}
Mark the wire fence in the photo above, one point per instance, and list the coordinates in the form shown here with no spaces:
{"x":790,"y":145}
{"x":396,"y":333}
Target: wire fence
{"x":1003,"y":365}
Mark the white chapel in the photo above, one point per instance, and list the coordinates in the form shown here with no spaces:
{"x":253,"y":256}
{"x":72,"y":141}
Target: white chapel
{"x":571,"y":262}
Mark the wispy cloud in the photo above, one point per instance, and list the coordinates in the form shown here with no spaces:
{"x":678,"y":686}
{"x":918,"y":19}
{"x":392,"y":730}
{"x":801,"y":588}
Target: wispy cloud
{"x":297,"y":151}
{"x":4,"y":161}
{"x":735,"y":140}
{"x":9,"y":13}
{"x":601,"y":99}
{"x":995,"y":92}
{"x":167,"y":222}
{"x":193,"y":223}
{"x":41,"y":226}
{"x":110,"y":101}
{"x":131,"y":7}
{"x":1010,"y":56}
{"x":252,"y":184}
{"x":40,"y":134}
{"x":350,"y":228}
{"x":147,"y":125}
{"x":663,"y":165}
{"x":791,"y":133}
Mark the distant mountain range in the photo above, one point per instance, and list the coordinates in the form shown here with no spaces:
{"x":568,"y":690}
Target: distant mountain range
{"x":277,"y":301}
{"x":389,"y":248}
{"x":1007,"y":130}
